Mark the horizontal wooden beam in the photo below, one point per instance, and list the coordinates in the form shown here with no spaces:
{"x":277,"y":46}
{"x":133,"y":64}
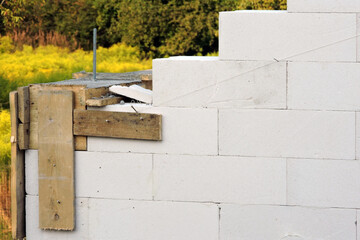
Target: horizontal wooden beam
{"x":117,"y":124}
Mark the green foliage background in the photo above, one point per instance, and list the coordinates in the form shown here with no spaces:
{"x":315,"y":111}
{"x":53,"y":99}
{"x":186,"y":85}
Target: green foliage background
{"x":157,"y":27}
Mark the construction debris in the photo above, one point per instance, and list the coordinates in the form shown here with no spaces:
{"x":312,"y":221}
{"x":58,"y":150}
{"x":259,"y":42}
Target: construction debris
{"x":134,"y":92}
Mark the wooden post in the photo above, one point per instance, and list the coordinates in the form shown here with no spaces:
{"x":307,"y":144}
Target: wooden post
{"x":56,"y":160}
{"x":17,"y":174}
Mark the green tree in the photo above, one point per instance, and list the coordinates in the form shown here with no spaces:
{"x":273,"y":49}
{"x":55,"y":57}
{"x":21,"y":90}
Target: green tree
{"x":162,"y":28}
{"x":157,"y":27}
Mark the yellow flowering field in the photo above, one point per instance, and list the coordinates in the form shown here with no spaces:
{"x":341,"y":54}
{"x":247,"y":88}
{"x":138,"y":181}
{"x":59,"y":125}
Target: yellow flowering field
{"x":49,"y":64}
{"x":4,"y":138}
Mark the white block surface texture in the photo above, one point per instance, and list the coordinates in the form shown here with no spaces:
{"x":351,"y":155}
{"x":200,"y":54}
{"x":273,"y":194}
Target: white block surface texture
{"x":134,"y":91}
{"x":184,"y":131}
{"x":132,"y":220}
{"x":324,"y":86}
{"x":209,"y":82}
{"x":330,"y":6}
{"x":102,"y":175}
{"x":286,"y":223}
{"x":220,"y":179}
{"x":357,"y":135}
{"x":283,"y":133}
{"x":31,"y":172}
{"x":33,"y":232}
{"x":265,"y":35}
{"x":324,"y":183}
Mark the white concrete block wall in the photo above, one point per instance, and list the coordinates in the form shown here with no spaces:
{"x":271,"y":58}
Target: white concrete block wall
{"x":220,"y":179}
{"x":357,"y":135}
{"x":102,"y":175}
{"x":262,"y":142}
{"x":98,"y":219}
{"x":183,"y":131}
{"x":137,"y":220}
{"x":209,"y":82}
{"x":323,"y":183}
{"x":324,"y":86}
{"x":284,"y":222}
{"x":329,"y":6}
{"x":287,"y":133}
{"x":270,"y":35}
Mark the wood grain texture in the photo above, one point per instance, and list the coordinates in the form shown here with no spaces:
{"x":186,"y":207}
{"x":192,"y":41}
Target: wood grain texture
{"x":80,"y":99}
{"x":100,"y":102}
{"x":56,"y":159}
{"x":17,"y":174}
{"x":23,"y":136}
{"x":117,"y":124}
{"x":24,"y":104}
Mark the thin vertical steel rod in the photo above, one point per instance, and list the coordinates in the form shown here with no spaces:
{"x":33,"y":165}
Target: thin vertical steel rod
{"x":94,"y":54}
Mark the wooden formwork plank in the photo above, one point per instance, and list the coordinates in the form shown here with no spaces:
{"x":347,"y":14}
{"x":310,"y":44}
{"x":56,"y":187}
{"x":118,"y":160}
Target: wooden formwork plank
{"x":23,"y":135}
{"x":79,"y":103}
{"x":24,"y":104}
{"x":24,"y":117}
{"x":117,"y":124}
{"x":56,"y":159}
{"x":17,"y":174}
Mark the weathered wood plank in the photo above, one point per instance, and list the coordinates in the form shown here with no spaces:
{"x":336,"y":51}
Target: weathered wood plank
{"x":34,"y":91}
{"x":23,"y":135}
{"x":24,"y":104}
{"x":94,"y":93}
{"x":100,"y":102}
{"x":56,"y":160}
{"x":17,"y":174}
{"x":117,"y":124}
{"x":80,"y":99}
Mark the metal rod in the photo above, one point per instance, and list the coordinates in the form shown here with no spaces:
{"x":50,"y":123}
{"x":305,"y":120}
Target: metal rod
{"x":94,"y":54}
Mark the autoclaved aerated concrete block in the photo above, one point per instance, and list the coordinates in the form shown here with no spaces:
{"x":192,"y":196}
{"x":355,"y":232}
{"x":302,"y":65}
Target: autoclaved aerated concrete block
{"x":278,"y":35}
{"x":357,"y":135}
{"x":330,"y":6}
{"x":33,"y":232}
{"x":286,"y":222}
{"x":102,"y":175}
{"x":31,"y":172}
{"x":324,"y":86}
{"x":287,"y":133}
{"x":220,"y":179}
{"x":324,"y":183}
{"x":209,"y":82}
{"x":358,"y":225}
{"x":111,"y":219}
{"x":184,"y":131}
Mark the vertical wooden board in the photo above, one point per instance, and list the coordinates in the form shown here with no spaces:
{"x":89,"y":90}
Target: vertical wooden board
{"x":56,"y":160}
{"x":24,"y":117}
{"x":79,"y":95}
{"x":17,"y":174}
{"x":24,"y":104}
{"x":23,"y":136}
{"x":33,"y":131}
